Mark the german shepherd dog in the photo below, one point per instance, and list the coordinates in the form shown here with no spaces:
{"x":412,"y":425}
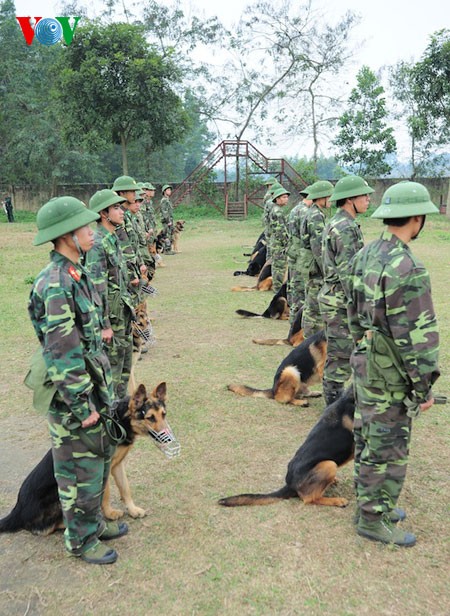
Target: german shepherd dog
{"x":178,"y":228}
{"x":264,"y":282}
{"x":301,"y":368}
{"x":313,"y":468}
{"x":295,"y":335}
{"x":260,"y":242}
{"x":277,"y":309}
{"x":255,"y":264}
{"x":38,"y":508}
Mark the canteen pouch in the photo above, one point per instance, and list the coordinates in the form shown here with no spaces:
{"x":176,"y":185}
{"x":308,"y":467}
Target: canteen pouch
{"x":39,"y":381}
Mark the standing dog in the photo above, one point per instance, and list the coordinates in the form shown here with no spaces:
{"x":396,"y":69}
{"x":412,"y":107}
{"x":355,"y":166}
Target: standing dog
{"x":302,"y":367}
{"x":313,"y":468}
{"x":178,"y":228}
{"x":38,"y":508}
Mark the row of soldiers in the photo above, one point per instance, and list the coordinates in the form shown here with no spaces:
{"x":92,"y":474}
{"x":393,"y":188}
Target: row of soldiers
{"x":314,"y":254}
{"x":375,"y":305}
{"x":122,"y":263}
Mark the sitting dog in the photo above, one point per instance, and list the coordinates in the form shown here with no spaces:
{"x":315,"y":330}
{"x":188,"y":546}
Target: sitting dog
{"x":295,"y":335}
{"x":313,"y":468}
{"x":178,"y":228}
{"x":255,"y":264}
{"x":260,"y":242}
{"x":302,"y":367}
{"x":38,"y":508}
{"x":277,"y":309}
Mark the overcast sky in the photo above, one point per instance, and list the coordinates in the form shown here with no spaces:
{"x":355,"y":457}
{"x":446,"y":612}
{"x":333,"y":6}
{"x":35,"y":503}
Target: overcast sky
{"x":389,"y":31}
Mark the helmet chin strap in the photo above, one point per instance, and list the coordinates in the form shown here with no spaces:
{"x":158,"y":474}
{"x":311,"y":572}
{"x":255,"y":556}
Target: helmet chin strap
{"x":77,"y":244}
{"x":354,"y":207}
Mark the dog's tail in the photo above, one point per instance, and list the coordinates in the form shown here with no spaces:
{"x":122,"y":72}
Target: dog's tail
{"x":240,"y":273}
{"x":12,"y":522}
{"x":271,"y":341}
{"x":244,"y":390}
{"x":241,"y":500}
{"x":246,"y":313}
{"x":244,"y":288}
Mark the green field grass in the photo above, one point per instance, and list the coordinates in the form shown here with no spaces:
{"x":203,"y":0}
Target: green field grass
{"x":188,"y":556}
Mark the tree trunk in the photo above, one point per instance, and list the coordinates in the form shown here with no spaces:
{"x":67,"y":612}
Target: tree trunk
{"x":123,"y":145}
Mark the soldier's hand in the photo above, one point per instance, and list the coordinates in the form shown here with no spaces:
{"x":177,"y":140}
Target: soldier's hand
{"x":107,"y":334}
{"x":91,"y":420}
{"x":426,"y":405}
{"x":134,"y":282}
{"x":143,"y":268}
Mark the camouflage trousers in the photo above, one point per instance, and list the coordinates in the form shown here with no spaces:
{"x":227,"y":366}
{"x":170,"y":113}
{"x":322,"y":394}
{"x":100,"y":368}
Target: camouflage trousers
{"x":337,"y":368}
{"x":80,"y":474}
{"x":295,"y":290}
{"x":311,"y":319}
{"x":279,"y":267}
{"x":120,"y":353}
{"x":382,"y":433}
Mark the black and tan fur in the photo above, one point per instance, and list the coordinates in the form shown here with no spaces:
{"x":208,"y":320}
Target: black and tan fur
{"x":260,"y":242}
{"x":277,"y":309}
{"x":313,"y":468}
{"x":255,"y":264}
{"x":300,"y":369}
{"x":177,"y":229}
{"x":38,"y":509}
{"x":264,"y":282}
{"x":295,"y":335}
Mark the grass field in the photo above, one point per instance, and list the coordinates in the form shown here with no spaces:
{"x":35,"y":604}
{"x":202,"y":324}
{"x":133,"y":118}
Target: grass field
{"x":189,"y":556}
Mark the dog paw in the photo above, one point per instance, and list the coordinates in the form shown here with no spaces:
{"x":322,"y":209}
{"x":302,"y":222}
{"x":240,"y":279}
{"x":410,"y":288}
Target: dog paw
{"x":341,"y":502}
{"x":113,"y":514}
{"x":136,"y":512}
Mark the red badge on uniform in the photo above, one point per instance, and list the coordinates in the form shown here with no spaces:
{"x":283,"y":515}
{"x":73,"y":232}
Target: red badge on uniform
{"x":74,"y":273}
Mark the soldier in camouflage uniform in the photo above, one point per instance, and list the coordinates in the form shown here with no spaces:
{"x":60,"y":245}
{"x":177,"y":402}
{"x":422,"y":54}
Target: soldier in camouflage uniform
{"x":148,"y":211}
{"x":341,"y":240}
{"x":140,"y":227}
{"x":278,"y":237}
{"x":394,"y":363}
{"x":296,"y":283}
{"x":166,"y":212}
{"x":65,"y":312}
{"x":268,"y":204}
{"x":126,"y":187}
{"x":110,"y":276}
{"x":311,"y":254}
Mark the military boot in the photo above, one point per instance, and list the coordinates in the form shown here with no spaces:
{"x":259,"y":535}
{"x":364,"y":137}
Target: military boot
{"x":385,"y":531}
{"x":395,"y":515}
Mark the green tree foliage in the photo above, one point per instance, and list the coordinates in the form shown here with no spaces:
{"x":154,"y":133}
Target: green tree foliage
{"x":430,"y":80}
{"x":364,"y":140}
{"x":113,"y":87}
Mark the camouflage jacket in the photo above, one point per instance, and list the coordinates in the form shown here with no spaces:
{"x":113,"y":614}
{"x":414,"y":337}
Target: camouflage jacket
{"x":391,"y":316}
{"x":64,"y":308}
{"x":148,"y":213}
{"x":295,"y":220}
{"x":341,"y":240}
{"x":129,"y":251}
{"x":107,"y":268}
{"x":278,"y":230}
{"x":266,"y":211}
{"x":311,"y":242}
{"x":166,"y":211}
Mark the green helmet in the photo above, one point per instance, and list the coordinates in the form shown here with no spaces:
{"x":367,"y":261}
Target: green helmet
{"x":320,"y":189}
{"x":124,"y":182}
{"x":270,"y":182}
{"x":147,"y":186}
{"x":59,"y":216}
{"x":274,"y":187}
{"x":139,"y":195}
{"x":279,"y":192}
{"x":350,"y":186}
{"x":165,"y":187}
{"x":103,"y":199}
{"x":304,"y":192}
{"x":405,"y":199}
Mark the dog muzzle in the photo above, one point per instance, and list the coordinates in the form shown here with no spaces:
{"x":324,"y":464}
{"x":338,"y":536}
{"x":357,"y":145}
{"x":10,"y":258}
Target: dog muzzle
{"x":149,"y":290}
{"x":145,"y":334}
{"x":166,"y":442}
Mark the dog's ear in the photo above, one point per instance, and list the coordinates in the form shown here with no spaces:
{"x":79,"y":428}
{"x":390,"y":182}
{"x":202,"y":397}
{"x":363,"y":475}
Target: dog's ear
{"x":139,"y":396}
{"x":160,"y":392}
